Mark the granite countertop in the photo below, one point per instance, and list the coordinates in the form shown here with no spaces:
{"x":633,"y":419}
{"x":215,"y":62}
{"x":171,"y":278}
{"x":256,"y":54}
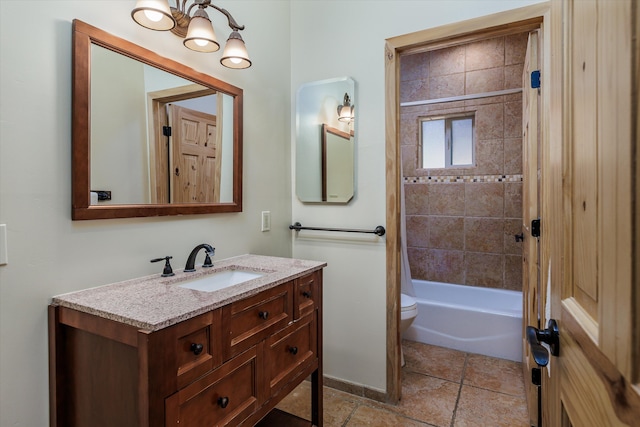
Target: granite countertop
{"x":154,"y":302}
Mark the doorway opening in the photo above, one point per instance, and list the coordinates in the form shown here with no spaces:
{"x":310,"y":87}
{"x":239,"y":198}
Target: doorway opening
{"x":503,"y":24}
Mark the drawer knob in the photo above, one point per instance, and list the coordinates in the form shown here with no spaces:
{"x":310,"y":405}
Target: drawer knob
{"x":223,"y":402}
{"x":196,"y":348}
{"x":306,"y":294}
{"x":263,"y":315}
{"x":293,"y":350}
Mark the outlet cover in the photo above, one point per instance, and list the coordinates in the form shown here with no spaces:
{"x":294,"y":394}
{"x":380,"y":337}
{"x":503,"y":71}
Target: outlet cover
{"x":3,"y":244}
{"x":266,"y":221}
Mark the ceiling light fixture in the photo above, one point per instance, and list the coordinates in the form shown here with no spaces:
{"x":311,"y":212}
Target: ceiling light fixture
{"x":196,"y":29}
{"x":346,"y":111}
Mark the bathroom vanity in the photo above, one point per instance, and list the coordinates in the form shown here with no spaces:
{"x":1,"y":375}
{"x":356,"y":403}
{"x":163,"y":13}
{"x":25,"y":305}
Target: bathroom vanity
{"x":149,"y":352}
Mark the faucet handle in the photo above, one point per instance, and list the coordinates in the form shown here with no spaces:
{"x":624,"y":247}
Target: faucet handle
{"x":167,"y":271}
{"x":207,"y":261}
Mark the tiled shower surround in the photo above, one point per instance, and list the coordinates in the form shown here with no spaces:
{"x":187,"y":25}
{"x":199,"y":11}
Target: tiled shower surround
{"x":462,"y":222}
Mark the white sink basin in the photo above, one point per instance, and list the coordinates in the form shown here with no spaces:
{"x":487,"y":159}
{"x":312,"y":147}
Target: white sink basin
{"x":220,"y":280}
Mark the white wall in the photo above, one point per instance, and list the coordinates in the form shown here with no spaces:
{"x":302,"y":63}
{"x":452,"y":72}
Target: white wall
{"x":346,"y":38}
{"x":50,"y":254}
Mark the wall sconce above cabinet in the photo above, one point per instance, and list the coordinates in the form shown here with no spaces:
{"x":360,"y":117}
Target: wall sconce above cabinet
{"x":196,"y":29}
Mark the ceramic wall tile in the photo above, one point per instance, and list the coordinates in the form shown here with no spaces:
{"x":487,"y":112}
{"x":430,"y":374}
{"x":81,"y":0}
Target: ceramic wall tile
{"x":416,"y":198}
{"x":513,"y":119}
{"x":513,"y":76}
{"x":513,"y":200}
{"x":418,"y":231}
{"x":482,"y":81}
{"x":511,"y":228}
{"x":513,"y":272}
{"x":490,"y":121}
{"x":446,"y":199}
{"x":515,"y":47}
{"x":446,"y":232}
{"x":446,"y":86}
{"x":484,"y":235}
{"x":414,"y":90}
{"x":447,"y":61}
{"x":446,"y":265}
{"x":484,"y":199}
{"x":512,"y":156}
{"x":414,"y":67}
{"x":482,"y":269}
{"x":489,"y":157}
{"x":485,"y":54}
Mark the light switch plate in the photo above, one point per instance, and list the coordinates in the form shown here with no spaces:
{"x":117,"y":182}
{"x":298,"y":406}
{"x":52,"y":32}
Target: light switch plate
{"x":3,"y":244}
{"x":266,"y":221}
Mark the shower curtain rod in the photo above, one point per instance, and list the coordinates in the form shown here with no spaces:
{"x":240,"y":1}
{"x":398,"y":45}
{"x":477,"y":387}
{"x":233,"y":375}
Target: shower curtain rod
{"x":461,"y":97}
{"x":379,"y":230}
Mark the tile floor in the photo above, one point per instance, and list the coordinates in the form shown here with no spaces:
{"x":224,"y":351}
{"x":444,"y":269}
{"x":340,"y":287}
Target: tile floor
{"x":441,"y":387}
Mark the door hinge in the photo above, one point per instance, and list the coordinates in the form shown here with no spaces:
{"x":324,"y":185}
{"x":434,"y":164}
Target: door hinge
{"x":535,"y":227}
{"x":166,"y":130}
{"x":535,"y":79}
{"x":536,"y":376}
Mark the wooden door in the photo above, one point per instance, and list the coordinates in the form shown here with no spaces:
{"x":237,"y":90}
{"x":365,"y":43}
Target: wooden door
{"x":531,"y":292}
{"x":195,"y":156}
{"x":594,"y":285}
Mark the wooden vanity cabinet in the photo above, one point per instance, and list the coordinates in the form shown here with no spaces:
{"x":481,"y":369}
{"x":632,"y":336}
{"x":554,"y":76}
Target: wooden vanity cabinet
{"x":226,"y":367}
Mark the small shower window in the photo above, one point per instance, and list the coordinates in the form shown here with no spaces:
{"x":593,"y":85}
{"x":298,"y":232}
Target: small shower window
{"x":447,"y":141}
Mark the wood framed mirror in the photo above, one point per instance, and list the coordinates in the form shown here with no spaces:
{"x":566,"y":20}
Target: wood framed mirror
{"x":151,"y":136}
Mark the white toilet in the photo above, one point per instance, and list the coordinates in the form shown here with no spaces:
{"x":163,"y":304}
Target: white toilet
{"x":409,"y":312}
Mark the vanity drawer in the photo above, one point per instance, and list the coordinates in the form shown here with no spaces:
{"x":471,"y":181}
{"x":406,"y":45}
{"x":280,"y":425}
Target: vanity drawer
{"x":198,"y":347}
{"x":223,"y":397}
{"x":252,"y":319}
{"x":306,"y":294}
{"x":289,"y":350}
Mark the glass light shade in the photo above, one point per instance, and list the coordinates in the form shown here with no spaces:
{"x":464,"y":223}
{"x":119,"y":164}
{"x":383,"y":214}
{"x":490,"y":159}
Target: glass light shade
{"x":200,"y":35}
{"x":235,"y":53}
{"x":346,"y":113}
{"x":153,"y":14}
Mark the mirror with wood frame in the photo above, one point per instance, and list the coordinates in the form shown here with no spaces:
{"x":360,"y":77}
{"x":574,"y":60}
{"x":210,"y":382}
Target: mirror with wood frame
{"x":151,"y":136}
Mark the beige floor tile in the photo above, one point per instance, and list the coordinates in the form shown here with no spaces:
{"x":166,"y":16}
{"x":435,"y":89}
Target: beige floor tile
{"x":298,"y":402}
{"x":337,"y":404}
{"x":426,"y":399}
{"x":375,"y":417}
{"x":504,"y":376}
{"x":438,"y":362}
{"x":480,"y":408}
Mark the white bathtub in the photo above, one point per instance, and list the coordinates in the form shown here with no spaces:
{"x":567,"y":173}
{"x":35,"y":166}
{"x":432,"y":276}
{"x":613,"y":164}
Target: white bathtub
{"x":472,"y":319}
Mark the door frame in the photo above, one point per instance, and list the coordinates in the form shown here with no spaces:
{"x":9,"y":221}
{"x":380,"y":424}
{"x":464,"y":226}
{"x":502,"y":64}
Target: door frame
{"x":508,"y":22}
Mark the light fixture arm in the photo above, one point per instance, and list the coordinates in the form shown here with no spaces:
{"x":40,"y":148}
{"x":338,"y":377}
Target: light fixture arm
{"x":232,"y":22}
{"x":207,"y":3}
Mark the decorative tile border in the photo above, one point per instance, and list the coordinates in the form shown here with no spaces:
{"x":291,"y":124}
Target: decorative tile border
{"x":461,"y":178}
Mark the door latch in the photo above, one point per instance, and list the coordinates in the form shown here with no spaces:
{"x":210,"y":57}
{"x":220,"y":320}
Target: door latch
{"x":551,"y":336}
{"x":535,"y":227}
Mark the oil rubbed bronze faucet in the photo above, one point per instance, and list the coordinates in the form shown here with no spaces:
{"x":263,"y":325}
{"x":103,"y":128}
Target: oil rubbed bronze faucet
{"x":191,"y":261}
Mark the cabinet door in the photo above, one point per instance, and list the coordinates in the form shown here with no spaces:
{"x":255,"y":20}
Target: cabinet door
{"x":224,"y":397}
{"x":198,"y":347}
{"x":289,"y":351}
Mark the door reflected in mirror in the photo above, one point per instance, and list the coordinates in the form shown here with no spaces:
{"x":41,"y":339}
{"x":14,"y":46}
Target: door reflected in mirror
{"x":337,"y":165}
{"x":325,"y":146}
